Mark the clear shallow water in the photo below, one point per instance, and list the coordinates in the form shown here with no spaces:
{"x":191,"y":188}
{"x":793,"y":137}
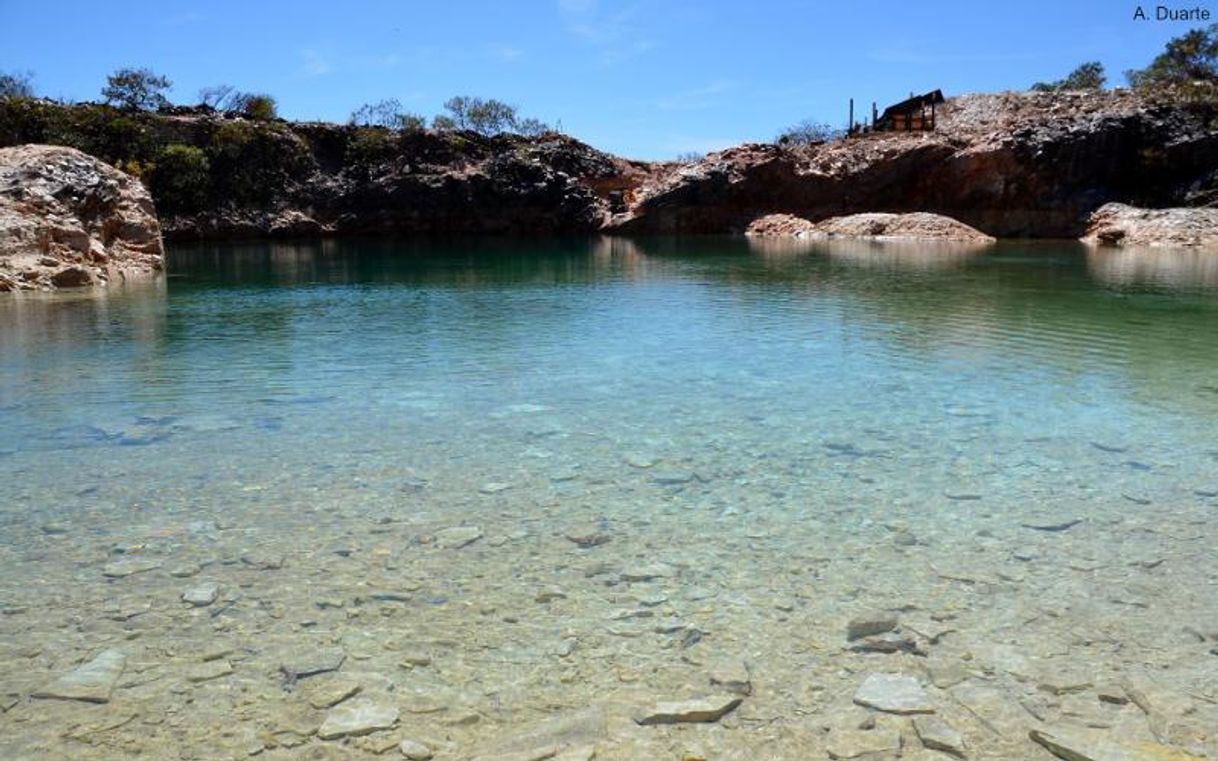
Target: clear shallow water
{"x":794,"y":434}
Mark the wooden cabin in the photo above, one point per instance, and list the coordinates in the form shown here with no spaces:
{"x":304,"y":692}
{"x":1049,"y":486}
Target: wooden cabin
{"x":915,"y":114}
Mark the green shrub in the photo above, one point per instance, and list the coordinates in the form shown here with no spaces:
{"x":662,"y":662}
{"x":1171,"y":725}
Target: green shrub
{"x":1188,"y":67}
{"x":252,"y":162}
{"x":181,"y":179}
{"x":257,"y":106}
{"x":23,"y":121}
{"x":1088,"y":76}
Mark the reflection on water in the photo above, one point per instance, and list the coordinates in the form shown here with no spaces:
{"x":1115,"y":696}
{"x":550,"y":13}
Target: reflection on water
{"x":482,"y":484}
{"x":884,"y":254}
{"x":1181,"y":269}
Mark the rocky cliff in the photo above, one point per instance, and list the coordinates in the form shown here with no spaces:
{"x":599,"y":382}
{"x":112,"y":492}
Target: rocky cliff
{"x":1010,"y":165}
{"x":67,"y":219}
{"x":216,"y":176}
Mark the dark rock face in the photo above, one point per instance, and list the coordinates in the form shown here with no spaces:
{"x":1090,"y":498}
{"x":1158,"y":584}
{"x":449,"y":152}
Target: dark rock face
{"x":1011,"y":165}
{"x":427,"y":182}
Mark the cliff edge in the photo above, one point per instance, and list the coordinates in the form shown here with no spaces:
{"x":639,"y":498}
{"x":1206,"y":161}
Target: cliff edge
{"x":1019,"y":164}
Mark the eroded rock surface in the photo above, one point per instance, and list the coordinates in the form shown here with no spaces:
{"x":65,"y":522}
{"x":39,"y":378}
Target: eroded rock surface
{"x":68,"y":220}
{"x":1116,"y":224}
{"x":1008,"y":164}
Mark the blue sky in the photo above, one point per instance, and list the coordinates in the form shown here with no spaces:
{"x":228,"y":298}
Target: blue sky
{"x":646,"y":79}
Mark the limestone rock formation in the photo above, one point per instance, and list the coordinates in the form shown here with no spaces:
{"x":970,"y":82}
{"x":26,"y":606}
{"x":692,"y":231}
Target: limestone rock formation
{"x":916,"y":225}
{"x":1008,"y":164}
{"x":1116,"y":224}
{"x":780,"y":226}
{"x":872,"y":225}
{"x":68,"y":220}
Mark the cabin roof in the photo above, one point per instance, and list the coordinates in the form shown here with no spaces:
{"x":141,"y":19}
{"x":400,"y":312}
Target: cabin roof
{"x":910,"y":105}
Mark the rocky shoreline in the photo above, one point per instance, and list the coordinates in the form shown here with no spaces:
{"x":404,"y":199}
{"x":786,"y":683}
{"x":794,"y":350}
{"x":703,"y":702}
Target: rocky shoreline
{"x":1004,"y":165}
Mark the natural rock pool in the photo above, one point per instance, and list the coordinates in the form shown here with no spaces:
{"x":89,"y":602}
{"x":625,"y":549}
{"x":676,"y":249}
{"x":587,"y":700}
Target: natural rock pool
{"x":653,"y":499}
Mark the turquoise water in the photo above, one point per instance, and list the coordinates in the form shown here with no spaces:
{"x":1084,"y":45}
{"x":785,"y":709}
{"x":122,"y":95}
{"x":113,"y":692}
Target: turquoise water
{"x":790,"y":433}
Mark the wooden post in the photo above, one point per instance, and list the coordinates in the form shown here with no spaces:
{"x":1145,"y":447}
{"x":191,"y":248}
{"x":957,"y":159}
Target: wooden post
{"x":850,"y":124}
{"x":873,"y":115}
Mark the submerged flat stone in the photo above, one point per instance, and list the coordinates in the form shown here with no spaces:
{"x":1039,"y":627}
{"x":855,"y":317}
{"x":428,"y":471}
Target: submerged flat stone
{"x":358,"y":716}
{"x":91,"y":682}
{"x":863,"y":745}
{"x":1077,"y":744}
{"x":129,"y":567}
{"x":893,"y":693}
{"x":210,"y":670}
{"x":457,"y":537}
{"x":415,"y":750}
{"x":1052,"y":526}
{"x":309,"y":662}
{"x":731,"y":676}
{"x":647,"y":573}
{"x":673,"y":477}
{"x":937,"y":734}
{"x":329,"y":690}
{"x":587,"y":535}
{"x":870,"y":624}
{"x":553,"y":737}
{"x":202,"y":595}
{"x":701,"y":711}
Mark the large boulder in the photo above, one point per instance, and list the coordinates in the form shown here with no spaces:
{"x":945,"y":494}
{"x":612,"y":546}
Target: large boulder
{"x":68,"y":220}
{"x":1116,"y":224}
{"x":870,"y":226}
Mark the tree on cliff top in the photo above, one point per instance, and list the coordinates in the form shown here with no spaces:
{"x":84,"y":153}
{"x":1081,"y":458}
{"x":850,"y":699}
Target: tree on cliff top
{"x":808,"y":132}
{"x":486,"y":117}
{"x":257,"y":106}
{"x":136,"y":89}
{"x":1088,"y":76}
{"x":1189,"y":64}
{"x":16,"y":85}
{"x":386,"y":113}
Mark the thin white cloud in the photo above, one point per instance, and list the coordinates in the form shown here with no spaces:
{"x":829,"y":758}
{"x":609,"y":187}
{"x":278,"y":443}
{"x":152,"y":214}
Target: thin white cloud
{"x":389,"y":61}
{"x":315,"y":64}
{"x":504,"y":53}
{"x":615,"y":36}
{"x":699,"y":97}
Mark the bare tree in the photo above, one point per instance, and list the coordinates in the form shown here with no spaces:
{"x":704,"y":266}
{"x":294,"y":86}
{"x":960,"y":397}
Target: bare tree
{"x":386,"y":113}
{"x":18,"y":84}
{"x":218,"y":97}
